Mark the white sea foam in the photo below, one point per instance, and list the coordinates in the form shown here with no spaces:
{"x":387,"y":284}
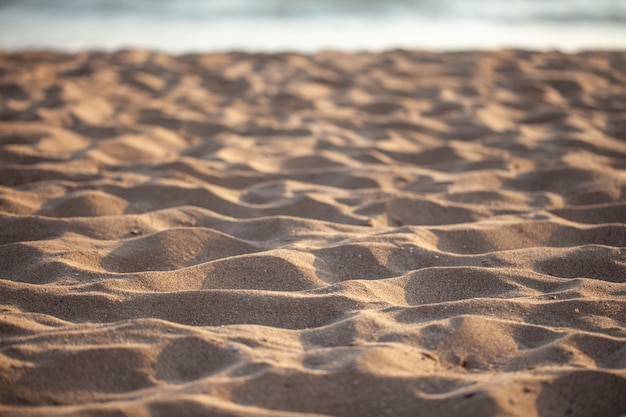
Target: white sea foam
{"x":308,"y":25}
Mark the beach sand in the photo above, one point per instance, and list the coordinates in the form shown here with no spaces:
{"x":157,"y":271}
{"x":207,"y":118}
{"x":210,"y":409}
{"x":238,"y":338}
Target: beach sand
{"x":341,"y":234}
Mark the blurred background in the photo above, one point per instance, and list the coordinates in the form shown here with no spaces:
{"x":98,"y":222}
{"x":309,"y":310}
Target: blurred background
{"x":181,"y":26}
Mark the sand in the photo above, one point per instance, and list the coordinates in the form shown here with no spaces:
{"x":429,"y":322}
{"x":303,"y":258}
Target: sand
{"x":341,"y":234}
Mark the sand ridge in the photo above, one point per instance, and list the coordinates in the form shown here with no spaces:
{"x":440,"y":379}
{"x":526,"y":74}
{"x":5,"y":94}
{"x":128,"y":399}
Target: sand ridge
{"x":340,"y":234}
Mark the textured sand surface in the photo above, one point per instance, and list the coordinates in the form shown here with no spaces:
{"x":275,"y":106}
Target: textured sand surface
{"x":393,"y":234}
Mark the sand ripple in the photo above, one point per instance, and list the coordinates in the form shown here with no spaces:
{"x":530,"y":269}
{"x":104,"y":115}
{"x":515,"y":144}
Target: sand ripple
{"x":403,"y":233}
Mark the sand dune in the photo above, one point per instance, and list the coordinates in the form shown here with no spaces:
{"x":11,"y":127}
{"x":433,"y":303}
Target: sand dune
{"x":402,"y":234}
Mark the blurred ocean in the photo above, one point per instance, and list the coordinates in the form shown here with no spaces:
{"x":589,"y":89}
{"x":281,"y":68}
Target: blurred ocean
{"x":181,"y":26}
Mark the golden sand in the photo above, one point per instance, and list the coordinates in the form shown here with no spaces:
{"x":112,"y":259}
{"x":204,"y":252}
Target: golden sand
{"x":375,"y":234}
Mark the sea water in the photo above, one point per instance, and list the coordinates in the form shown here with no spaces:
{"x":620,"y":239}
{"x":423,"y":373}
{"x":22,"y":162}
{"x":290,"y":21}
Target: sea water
{"x":181,"y":26}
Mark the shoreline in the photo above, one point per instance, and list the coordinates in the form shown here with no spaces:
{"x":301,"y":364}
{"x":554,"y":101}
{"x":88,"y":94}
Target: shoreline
{"x":309,"y":37}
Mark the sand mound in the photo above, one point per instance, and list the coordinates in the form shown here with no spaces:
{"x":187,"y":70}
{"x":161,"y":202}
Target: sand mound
{"x":402,"y":234}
